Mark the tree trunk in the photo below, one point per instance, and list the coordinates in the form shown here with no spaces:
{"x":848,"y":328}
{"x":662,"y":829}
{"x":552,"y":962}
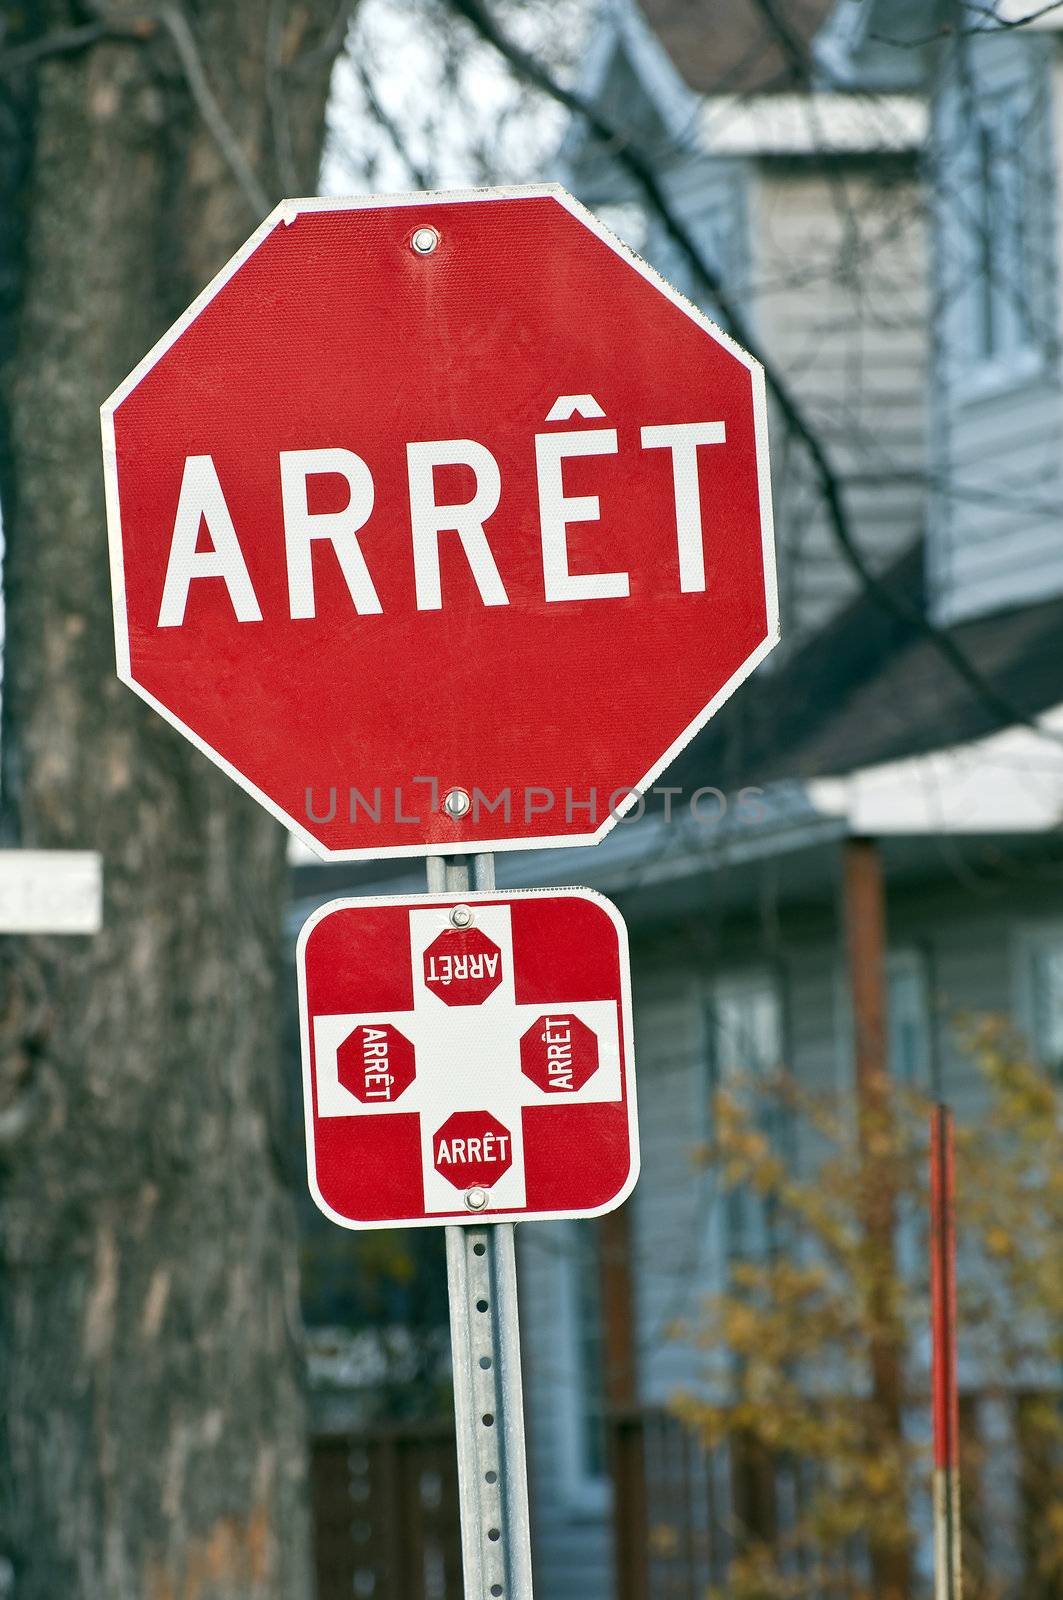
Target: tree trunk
{"x":152,"y":1436}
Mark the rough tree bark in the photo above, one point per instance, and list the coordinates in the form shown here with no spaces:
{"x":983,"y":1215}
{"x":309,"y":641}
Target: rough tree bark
{"x":151,"y":1429}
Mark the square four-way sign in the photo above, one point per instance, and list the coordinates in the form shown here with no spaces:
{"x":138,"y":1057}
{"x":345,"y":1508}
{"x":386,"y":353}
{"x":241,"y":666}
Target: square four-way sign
{"x":467,"y":1056}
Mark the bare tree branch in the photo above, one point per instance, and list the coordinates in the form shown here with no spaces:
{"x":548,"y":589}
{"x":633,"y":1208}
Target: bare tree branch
{"x":789,"y":42}
{"x":280,"y":122}
{"x":331,"y":40}
{"x":624,"y":149}
{"x":207,"y":104}
{"x":992,"y":22}
{"x":992,"y":14}
{"x":69,"y":41}
{"x":389,"y":127}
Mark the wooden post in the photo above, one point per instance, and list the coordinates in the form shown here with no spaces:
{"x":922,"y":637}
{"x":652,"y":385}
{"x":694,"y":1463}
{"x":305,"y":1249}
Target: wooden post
{"x":631,"y":1518}
{"x":865,"y":920}
{"x":627,"y":1463}
{"x":617,"y":1309}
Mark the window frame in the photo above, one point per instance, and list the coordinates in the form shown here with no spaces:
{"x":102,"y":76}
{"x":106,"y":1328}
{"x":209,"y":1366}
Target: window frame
{"x":1002,"y":113}
{"x":910,"y":958}
{"x":735,"y":1231}
{"x":911,"y":961}
{"x":1029,"y":941}
{"x":585,"y":1494}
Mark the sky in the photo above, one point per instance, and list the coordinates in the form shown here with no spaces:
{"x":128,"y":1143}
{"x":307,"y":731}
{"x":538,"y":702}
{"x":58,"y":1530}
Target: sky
{"x":421,"y":102}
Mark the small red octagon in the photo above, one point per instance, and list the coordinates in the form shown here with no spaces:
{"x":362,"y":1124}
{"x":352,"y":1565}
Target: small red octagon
{"x":375,"y":1063}
{"x":463,"y":967}
{"x":472,"y":1147}
{"x":559,"y":1053}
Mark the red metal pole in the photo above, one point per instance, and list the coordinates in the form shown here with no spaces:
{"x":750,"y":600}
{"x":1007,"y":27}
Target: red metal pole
{"x":945,"y":1392}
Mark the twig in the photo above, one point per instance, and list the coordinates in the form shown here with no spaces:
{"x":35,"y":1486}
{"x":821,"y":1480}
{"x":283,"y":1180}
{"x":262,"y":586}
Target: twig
{"x":621,"y":144}
{"x":63,"y":42}
{"x":788,"y":41}
{"x":992,"y":14}
{"x":387,"y":124}
{"x":280,"y":121}
{"x":949,"y":30}
{"x":330,"y":42}
{"x":209,"y":108}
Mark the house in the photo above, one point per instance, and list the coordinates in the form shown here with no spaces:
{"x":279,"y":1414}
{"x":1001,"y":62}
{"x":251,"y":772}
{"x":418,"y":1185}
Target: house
{"x":879,"y":191}
{"x":887,"y":214}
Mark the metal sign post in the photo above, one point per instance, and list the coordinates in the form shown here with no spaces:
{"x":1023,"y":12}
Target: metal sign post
{"x":488,"y":1400}
{"x":489,"y":1412}
{"x":467,"y":1064}
{"x":460,"y":1061}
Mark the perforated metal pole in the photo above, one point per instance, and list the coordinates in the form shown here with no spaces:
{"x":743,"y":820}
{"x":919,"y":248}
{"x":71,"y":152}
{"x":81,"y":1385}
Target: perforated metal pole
{"x":488,"y":1402}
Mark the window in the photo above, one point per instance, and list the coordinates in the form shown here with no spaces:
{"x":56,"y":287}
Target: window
{"x":909,"y":1038}
{"x":1041,"y":992}
{"x":1002,"y":319}
{"x":581,"y":1416}
{"x":908,"y":1043}
{"x":744,"y":1036}
{"x":908,"y":1021}
{"x":1001,"y":205}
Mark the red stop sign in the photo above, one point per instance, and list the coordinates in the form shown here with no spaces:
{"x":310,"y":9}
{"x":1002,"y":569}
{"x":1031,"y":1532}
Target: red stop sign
{"x":472,"y":1147}
{"x":453,"y":497}
{"x":463,"y":967}
{"x":559,"y":1053}
{"x":375,"y":1063}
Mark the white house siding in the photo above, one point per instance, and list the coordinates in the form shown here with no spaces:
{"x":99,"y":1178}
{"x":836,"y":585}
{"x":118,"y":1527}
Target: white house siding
{"x":672,"y":1242}
{"x":850,"y":337}
{"x":996,"y":537}
{"x":711,"y":195}
{"x":826,"y":258}
{"x":971,"y":952}
{"x":573,"y":1540}
{"x":571,"y":1543}
{"x":838,"y":297}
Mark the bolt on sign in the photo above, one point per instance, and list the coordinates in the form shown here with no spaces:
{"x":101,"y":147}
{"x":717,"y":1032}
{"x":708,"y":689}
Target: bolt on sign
{"x":441,"y":524}
{"x":467,"y":1055}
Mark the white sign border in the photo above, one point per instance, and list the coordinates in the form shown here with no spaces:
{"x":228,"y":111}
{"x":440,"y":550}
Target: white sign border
{"x":281,"y":216}
{"x":422,"y":902}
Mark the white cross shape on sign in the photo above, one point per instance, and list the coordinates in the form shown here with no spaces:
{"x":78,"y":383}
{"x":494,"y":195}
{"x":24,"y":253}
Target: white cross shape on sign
{"x":467,"y":1058}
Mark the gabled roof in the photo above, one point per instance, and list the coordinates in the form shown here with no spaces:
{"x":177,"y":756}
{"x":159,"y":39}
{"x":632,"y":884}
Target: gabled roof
{"x":733,"y":46}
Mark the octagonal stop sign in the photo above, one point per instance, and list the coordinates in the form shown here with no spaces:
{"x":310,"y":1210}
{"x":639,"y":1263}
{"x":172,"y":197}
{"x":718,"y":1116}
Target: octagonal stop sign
{"x":375,"y":1063}
{"x":463,"y":967}
{"x":444,"y":497}
{"x":472,"y":1147}
{"x":559,"y":1053}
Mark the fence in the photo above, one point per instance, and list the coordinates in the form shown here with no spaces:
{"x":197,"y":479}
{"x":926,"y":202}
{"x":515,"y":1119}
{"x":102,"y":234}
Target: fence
{"x":386,"y":1511}
{"x":386,"y":1514}
{"x":683,"y":1512}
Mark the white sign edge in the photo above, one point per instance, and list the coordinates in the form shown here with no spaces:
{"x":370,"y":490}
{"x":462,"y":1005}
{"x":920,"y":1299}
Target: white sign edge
{"x":282,"y":215}
{"x":423,"y":902}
